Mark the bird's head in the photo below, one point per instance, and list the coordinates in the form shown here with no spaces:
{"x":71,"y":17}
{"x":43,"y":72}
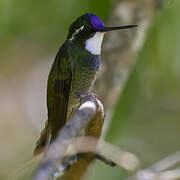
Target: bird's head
{"x":89,"y":30}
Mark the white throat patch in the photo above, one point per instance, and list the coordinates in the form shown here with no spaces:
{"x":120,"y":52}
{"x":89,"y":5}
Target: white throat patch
{"x":93,"y":45}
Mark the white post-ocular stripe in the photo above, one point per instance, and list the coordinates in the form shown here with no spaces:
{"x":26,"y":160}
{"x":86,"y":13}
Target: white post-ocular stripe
{"x":76,"y":32}
{"x":88,"y":104}
{"x":93,"y":45}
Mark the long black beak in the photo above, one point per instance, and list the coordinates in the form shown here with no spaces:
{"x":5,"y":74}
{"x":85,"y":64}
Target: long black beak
{"x":106,"y":29}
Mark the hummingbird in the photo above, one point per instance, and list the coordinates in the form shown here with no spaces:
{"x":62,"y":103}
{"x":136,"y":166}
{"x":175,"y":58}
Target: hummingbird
{"x":73,"y":73}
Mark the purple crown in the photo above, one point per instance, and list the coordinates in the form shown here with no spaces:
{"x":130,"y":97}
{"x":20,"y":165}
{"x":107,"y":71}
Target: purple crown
{"x":96,"y":22}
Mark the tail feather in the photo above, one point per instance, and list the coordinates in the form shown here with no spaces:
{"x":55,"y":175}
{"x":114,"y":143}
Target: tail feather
{"x":43,"y":140}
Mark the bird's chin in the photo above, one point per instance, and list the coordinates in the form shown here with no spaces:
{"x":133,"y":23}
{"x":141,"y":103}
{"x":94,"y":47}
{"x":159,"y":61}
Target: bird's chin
{"x":93,"y":44}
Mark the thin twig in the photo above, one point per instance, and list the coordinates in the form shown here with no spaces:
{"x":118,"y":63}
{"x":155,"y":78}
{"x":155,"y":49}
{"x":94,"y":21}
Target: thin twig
{"x":160,"y":170}
{"x":166,"y":163}
{"x":173,"y":174}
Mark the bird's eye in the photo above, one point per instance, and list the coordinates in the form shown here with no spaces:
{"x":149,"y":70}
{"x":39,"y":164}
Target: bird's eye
{"x":88,"y":29}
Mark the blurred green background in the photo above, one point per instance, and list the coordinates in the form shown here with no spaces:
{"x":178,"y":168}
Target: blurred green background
{"x":146,"y":120}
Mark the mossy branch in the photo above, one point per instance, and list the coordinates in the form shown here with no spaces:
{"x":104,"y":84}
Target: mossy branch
{"x":68,"y":144}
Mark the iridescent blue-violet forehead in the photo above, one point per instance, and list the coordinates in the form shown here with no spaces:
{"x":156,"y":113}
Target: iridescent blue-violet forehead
{"x":96,"y":22}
